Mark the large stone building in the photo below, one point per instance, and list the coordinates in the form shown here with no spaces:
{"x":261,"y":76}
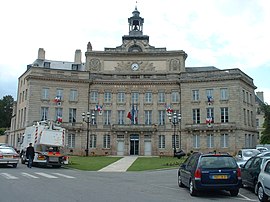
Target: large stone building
{"x":136,"y":84}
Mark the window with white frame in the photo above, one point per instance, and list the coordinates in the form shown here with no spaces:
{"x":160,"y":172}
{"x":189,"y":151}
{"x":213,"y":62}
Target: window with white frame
{"x":209,"y":93}
{"x":73,"y":95}
{"x":245,"y":117}
{"x":195,"y":95}
{"x":120,"y":97}
{"x":161,"y":117}
{"x":107,"y":97}
{"x":196,"y":116}
{"x":210,"y":140}
{"x":107,"y":117}
{"x":224,"y":140}
{"x":93,"y":141}
{"x":196,"y":141}
{"x":94,"y":96}
{"x":175,"y":140}
{"x":106,"y":141}
{"x":134,"y":97}
{"x":58,"y":113}
{"x":161,"y":141}
{"x":210,"y":112}
{"x":44,"y":113}
{"x":148,"y":117}
{"x":59,"y":93}
{"x":72,"y":115}
{"x":45,"y":93}
{"x":121,"y":117}
{"x":175,"y":96}
{"x":224,"y":112}
{"x":71,"y":140}
{"x":161,"y":97}
{"x":224,"y":94}
{"x":148,"y":97}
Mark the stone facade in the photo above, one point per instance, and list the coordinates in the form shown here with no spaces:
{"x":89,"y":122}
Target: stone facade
{"x":217,"y":106}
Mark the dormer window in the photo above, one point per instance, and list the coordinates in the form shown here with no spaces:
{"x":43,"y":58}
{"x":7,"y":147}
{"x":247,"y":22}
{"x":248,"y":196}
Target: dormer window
{"x":47,"y":64}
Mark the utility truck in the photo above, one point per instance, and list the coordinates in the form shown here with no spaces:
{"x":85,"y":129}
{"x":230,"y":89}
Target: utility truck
{"x":48,"y":141}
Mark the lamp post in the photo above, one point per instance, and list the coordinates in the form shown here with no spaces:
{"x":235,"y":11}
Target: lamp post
{"x":175,"y":119}
{"x":88,"y":120}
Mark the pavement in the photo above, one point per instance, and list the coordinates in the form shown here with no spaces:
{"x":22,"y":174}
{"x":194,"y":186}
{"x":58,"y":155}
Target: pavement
{"x":121,"y":165}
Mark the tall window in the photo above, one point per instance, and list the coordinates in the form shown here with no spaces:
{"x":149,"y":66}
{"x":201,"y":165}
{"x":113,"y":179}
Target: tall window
{"x":148,"y":117}
{"x":175,"y":140}
{"x":93,"y":141}
{"x":121,"y":97}
{"x":161,"y":117}
{"x":94,"y":96}
{"x":161,"y":97}
{"x":106,"y":141}
{"x":71,"y":140}
{"x":134,"y":97}
{"x":148,"y":97}
{"x":72,"y":115}
{"x":224,"y":140}
{"x":107,"y":117}
{"x":195,"y":95}
{"x":58,"y":113}
{"x":224,"y":94}
{"x":175,"y":96}
{"x":224,"y":115}
{"x":26,"y":94}
{"x":107,"y":97}
{"x":196,"y":141}
{"x":196,"y":116}
{"x":209,"y":93}
{"x":210,"y":113}
{"x":44,"y":113}
{"x":59,"y":93}
{"x":73,"y":95}
{"x":161,"y":141}
{"x":245,"y":117}
{"x":210,"y":140}
{"x":45,"y":93}
{"x":121,"y":117}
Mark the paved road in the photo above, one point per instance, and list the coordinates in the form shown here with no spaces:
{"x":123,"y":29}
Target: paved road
{"x":67,"y":185}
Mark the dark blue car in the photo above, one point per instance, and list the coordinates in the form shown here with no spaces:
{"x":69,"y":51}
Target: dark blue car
{"x":210,"y":171}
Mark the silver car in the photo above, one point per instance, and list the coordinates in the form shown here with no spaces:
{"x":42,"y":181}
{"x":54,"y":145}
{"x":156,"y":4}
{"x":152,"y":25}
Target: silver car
{"x":264,"y":182}
{"x":8,"y":156}
{"x":245,"y":154}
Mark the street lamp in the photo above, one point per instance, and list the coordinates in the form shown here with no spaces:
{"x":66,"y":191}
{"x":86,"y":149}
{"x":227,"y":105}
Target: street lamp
{"x":175,"y":119}
{"x":88,"y":120}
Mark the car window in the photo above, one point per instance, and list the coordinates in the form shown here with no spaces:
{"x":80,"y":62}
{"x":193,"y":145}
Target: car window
{"x":267,"y":167}
{"x":7,"y":150}
{"x":191,"y":162}
{"x":250,"y":153}
{"x":257,"y":163}
{"x":248,"y":163}
{"x":212,"y":162}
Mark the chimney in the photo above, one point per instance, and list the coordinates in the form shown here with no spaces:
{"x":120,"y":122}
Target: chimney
{"x":78,"y":56}
{"x":41,"y":54}
{"x":260,"y":95}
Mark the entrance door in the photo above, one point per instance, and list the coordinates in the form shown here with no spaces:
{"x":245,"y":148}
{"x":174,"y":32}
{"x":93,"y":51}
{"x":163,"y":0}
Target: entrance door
{"x":134,"y":144}
{"x":120,"y":148}
{"x":147,"y":148}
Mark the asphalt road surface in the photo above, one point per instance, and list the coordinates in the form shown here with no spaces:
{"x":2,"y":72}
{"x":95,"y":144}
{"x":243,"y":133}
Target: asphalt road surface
{"x":23,"y":184}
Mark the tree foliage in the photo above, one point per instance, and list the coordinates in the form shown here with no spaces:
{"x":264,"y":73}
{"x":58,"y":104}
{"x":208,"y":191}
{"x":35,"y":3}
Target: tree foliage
{"x":265,"y":138}
{"x":6,"y":107}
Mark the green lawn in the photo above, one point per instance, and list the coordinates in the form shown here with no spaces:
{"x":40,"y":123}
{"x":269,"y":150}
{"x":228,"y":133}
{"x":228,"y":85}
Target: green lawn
{"x":153,"y":163}
{"x":90,"y":163}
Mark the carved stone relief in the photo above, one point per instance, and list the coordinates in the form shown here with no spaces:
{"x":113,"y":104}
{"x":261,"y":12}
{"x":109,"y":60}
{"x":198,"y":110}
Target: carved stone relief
{"x":94,"y":64}
{"x":174,"y":64}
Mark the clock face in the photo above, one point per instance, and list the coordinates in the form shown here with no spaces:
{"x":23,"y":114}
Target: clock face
{"x":134,"y":66}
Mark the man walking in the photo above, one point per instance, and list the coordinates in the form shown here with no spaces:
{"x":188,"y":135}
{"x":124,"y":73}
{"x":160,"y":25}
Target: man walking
{"x":30,"y":153}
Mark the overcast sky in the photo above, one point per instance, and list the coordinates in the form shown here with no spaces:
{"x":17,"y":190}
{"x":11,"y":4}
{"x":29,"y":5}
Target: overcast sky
{"x":221,"y":33}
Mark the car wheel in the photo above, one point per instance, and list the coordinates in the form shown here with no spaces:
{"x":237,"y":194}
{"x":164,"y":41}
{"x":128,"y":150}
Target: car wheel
{"x":14,"y":165}
{"x":192,"y":190}
{"x":234,"y":192}
{"x":261,"y":195}
{"x":180,"y":184}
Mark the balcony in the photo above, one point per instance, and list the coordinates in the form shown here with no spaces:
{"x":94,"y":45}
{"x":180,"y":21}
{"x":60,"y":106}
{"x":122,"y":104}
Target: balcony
{"x":134,"y":128}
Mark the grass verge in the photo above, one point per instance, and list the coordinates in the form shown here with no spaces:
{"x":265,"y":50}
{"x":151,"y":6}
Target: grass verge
{"x":153,"y":163}
{"x":90,"y":163}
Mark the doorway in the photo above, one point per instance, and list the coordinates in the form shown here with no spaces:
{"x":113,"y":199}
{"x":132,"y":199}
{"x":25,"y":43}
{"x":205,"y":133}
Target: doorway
{"x":134,"y":144}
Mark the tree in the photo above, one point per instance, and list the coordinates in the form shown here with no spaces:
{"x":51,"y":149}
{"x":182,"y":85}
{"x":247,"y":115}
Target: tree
{"x":6,"y":108}
{"x":265,"y":138}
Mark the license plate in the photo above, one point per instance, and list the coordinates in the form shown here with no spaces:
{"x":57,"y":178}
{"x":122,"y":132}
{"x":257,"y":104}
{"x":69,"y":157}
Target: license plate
{"x":54,"y":159}
{"x":220,"y":177}
{"x":8,"y":157}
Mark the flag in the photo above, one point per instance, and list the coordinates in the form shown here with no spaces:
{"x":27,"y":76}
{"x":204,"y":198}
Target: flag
{"x":59,"y":119}
{"x":57,"y":99}
{"x":133,"y":115}
{"x":99,"y":109}
{"x":210,"y":99}
{"x":169,"y":110}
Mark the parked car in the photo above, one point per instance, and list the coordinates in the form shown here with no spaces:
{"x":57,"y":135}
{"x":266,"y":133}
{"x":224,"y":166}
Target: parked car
{"x":267,"y":153}
{"x":251,"y":170}
{"x":8,"y":156}
{"x":264,"y":182}
{"x":262,"y":149}
{"x":244,"y":154}
{"x":210,"y":172}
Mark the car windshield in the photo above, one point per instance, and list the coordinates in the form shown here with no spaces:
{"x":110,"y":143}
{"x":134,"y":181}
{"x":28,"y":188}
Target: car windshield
{"x":217,"y":162}
{"x":250,"y":153}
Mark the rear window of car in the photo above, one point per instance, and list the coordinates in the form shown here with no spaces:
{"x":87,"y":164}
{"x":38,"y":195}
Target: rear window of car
{"x":250,"y":153}
{"x":6,"y":150}
{"x":217,"y":162}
